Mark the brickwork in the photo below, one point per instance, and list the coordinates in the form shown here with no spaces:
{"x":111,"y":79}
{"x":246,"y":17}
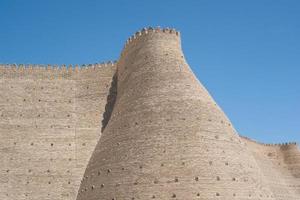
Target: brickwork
{"x":162,"y":134}
{"x":50,"y":121}
{"x":280,"y":165}
{"x":167,"y":138}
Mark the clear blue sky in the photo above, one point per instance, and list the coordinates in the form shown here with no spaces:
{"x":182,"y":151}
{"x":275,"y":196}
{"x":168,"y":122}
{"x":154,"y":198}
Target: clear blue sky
{"x":247,"y":53}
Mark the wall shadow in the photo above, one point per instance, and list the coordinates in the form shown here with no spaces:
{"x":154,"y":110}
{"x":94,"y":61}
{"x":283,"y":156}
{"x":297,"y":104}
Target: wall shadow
{"x":110,"y":101}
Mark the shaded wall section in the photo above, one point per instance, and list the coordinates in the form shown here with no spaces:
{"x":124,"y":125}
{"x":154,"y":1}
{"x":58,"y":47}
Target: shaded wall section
{"x":280,"y":165}
{"x":50,"y":121}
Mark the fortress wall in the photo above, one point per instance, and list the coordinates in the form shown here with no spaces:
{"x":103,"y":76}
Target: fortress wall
{"x":163,"y":135}
{"x":50,"y":121}
{"x":281,"y":167}
{"x":167,"y":138}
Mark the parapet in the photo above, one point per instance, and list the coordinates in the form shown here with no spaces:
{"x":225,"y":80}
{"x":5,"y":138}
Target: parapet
{"x":148,"y":31}
{"x":50,"y":71}
{"x":269,"y":144}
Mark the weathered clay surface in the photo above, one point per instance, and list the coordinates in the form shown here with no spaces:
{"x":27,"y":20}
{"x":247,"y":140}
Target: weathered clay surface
{"x":50,"y":121}
{"x":163,"y":136}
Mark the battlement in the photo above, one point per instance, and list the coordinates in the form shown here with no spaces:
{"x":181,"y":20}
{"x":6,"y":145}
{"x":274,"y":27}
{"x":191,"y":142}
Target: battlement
{"x":48,"y":67}
{"x":147,"y":32}
{"x":39,"y":71}
{"x":269,"y":144}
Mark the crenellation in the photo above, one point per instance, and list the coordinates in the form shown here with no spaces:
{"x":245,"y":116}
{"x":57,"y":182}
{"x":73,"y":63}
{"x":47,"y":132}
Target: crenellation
{"x":146,"y":31}
{"x":269,"y":144}
{"x":49,"y":71}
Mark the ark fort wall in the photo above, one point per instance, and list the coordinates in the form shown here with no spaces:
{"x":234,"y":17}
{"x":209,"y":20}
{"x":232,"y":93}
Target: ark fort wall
{"x":140,"y":128}
{"x":50,"y":122}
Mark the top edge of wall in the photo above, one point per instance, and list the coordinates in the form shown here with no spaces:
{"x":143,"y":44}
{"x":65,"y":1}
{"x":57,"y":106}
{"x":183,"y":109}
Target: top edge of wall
{"x":48,"y":67}
{"x":269,"y":144}
{"x":148,"y":30}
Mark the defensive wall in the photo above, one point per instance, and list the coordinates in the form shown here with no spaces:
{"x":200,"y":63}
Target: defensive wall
{"x":162,"y":134}
{"x":50,"y":121}
{"x":280,"y":164}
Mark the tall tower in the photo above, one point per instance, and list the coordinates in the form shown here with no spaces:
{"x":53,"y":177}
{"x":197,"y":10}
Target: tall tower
{"x":167,"y":138}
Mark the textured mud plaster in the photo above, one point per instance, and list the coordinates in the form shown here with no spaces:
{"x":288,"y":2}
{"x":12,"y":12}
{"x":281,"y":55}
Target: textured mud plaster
{"x":141,"y":128}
